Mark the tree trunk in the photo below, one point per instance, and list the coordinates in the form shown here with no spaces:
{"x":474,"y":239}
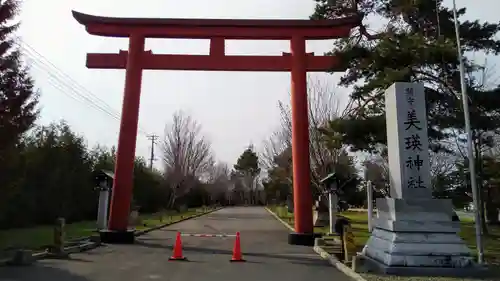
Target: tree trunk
{"x":479,"y":182}
{"x":173,"y":196}
{"x":484,"y":226}
{"x":492,"y":214}
{"x":482,"y":215}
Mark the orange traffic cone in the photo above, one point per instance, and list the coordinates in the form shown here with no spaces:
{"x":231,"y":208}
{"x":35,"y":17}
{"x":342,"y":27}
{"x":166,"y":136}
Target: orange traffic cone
{"x":177,"y":256}
{"x":237,"y":256}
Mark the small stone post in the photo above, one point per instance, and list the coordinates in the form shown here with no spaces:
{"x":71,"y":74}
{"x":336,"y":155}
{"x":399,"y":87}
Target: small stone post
{"x":102,"y":211}
{"x":59,"y":237}
{"x":369,"y":197}
{"x":332,"y":198}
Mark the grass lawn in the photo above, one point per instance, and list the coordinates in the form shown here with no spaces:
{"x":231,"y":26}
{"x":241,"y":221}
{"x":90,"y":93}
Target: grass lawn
{"x":359,"y":223}
{"x":40,"y":237}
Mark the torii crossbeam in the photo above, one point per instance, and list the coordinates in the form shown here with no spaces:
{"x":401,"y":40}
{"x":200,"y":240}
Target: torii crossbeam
{"x":136,"y":59}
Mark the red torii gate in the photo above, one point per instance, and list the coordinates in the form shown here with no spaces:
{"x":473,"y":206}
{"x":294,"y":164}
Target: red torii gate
{"x":298,"y":62}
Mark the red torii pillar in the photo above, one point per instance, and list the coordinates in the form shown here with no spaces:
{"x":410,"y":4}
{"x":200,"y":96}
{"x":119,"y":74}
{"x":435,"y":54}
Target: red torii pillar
{"x":298,"y":62}
{"x":302,"y":196}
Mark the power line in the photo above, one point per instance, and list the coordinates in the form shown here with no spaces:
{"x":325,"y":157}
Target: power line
{"x":68,"y":90}
{"x":75,"y":85}
{"x":153,"y":139}
{"x":66,"y":81}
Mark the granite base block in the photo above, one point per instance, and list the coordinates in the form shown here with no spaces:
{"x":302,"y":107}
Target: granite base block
{"x":404,"y":242}
{"x":374,"y":266}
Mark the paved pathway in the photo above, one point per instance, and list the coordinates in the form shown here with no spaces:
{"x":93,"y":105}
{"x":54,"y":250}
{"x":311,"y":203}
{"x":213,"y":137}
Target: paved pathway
{"x":263,"y":241}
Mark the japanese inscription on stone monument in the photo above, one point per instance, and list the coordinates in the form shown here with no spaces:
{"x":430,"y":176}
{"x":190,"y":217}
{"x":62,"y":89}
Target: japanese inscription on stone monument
{"x":407,"y":140}
{"x":413,"y":144}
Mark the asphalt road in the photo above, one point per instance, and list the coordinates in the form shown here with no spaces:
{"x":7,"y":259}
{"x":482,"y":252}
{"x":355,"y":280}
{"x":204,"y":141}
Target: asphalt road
{"x":263,"y":242}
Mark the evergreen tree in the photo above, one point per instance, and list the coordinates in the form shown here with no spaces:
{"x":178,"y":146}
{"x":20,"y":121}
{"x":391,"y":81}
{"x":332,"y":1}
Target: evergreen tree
{"x":416,"y":45}
{"x":18,"y":97}
{"x":18,"y":100}
{"x":248,"y":163}
{"x":247,"y":169}
{"x":278,"y":184}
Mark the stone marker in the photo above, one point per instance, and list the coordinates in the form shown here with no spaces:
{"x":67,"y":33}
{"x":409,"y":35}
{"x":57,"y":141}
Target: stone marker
{"x":134,"y":219}
{"x":413,"y":234}
{"x":369,"y":198}
{"x":289,"y":204}
{"x":332,"y":210}
{"x":321,"y":215}
{"x":103,"y":206}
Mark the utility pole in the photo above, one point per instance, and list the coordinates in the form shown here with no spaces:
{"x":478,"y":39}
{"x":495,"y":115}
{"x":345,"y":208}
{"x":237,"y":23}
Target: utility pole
{"x":468,"y":131}
{"x":153,"y":139}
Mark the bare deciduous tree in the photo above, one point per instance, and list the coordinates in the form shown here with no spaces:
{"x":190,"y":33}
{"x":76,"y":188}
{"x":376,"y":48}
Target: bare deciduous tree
{"x":441,"y":165}
{"x":187,"y":154}
{"x":219,"y":180}
{"x":218,"y":172}
{"x":323,"y":107}
{"x":377,"y":171}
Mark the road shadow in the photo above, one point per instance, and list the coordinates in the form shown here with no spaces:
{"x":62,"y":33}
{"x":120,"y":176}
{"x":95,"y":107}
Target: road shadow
{"x":227,"y":252}
{"x":165,"y":230}
{"x":38,"y":272}
{"x":318,"y":263}
{"x":75,"y":259}
{"x":225,"y":216}
{"x":155,"y":239}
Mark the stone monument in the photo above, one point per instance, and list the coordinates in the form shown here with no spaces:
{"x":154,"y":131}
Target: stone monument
{"x":289,"y":204}
{"x":321,"y":215}
{"x":413,"y":234}
{"x":103,"y":180}
{"x":103,"y":206}
{"x":330,"y":183}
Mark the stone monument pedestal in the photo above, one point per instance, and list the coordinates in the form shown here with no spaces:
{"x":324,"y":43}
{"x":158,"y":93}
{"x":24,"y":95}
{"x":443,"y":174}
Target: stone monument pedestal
{"x":417,"y":237}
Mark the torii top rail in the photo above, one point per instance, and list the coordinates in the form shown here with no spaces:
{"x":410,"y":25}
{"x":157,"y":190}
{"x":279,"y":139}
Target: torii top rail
{"x":216,"y":30}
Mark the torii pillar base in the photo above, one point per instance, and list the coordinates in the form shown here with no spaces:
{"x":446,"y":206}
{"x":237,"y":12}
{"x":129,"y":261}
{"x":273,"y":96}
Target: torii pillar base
{"x":117,"y":237}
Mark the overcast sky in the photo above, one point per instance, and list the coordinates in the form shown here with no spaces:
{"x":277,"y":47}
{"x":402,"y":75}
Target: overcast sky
{"x":234,"y":108}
